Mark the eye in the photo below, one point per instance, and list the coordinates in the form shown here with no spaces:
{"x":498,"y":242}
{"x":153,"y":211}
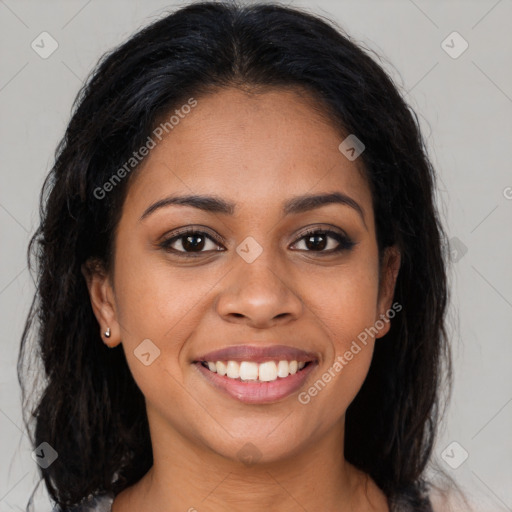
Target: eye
{"x":190,"y":241}
{"x":318,"y":240}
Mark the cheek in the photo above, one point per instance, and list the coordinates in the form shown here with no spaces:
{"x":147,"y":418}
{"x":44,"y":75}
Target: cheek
{"x":158,"y":303}
{"x":153,"y":299}
{"x":345,"y":300}
{"x":355,"y":337}
{"x":346,"y":305}
{"x":339,"y":378}
{"x":157,"y":312}
{"x":329,"y":395}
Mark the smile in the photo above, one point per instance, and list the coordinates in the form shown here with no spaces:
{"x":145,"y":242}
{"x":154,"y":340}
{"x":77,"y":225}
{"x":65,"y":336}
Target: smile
{"x":253,"y":383}
{"x":268,"y":371}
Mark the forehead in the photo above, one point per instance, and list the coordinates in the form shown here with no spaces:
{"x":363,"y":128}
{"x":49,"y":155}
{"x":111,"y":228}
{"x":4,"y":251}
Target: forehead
{"x":251,"y":148}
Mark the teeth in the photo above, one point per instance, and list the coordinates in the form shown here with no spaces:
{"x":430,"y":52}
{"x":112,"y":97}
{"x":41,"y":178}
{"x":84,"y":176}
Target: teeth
{"x":283,"y":369}
{"x":233,"y":370}
{"x":268,"y":371}
{"x":248,"y":370}
{"x":221,"y":367}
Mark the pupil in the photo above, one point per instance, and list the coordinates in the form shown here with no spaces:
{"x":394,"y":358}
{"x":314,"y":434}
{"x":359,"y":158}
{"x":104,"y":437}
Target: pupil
{"x":310,"y":245}
{"x":188,"y":245}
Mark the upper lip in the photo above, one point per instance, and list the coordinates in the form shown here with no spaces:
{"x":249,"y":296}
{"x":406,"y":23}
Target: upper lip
{"x":258,"y":354}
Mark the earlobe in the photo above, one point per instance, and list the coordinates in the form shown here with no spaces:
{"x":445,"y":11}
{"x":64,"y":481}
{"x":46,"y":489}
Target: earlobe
{"x":102,"y":301}
{"x":389,"y":275}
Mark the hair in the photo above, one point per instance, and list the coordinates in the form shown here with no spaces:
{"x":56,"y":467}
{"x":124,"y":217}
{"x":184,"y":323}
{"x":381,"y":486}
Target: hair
{"x":90,"y":410}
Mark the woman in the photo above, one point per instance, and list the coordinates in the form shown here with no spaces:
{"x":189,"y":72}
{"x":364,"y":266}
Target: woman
{"x":241,"y":277}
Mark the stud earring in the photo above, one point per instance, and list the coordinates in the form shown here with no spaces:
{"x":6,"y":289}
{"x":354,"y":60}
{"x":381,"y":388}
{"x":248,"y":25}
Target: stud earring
{"x":107,"y":333}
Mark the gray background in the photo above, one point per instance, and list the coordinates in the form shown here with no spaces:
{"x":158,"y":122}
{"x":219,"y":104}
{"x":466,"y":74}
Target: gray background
{"x":465,"y":107}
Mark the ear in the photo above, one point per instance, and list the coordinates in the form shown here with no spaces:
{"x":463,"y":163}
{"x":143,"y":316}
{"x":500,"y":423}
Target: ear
{"x":102,"y":298}
{"x":388,"y":275}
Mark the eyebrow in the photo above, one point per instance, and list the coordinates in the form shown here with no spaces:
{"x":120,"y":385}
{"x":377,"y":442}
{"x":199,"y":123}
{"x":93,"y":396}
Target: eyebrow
{"x":295,"y":205}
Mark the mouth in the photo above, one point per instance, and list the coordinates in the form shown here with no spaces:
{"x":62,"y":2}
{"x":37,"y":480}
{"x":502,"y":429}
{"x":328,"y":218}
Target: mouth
{"x":255,"y":375}
{"x":246,"y":371}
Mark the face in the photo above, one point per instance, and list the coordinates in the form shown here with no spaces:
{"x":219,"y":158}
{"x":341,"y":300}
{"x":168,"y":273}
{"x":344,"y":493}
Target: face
{"x":263,"y":276}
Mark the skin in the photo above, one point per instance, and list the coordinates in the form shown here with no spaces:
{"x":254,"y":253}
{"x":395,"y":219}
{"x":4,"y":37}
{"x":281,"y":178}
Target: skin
{"x":256,"y":150}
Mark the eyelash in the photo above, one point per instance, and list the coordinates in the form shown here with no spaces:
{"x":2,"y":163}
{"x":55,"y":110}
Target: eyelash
{"x":345,"y":243}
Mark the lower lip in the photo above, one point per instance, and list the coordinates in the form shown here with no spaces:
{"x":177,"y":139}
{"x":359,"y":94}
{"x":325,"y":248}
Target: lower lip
{"x":256,"y":392}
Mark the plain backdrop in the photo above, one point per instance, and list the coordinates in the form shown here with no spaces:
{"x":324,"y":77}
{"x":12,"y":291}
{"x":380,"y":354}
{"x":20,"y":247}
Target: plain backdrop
{"x":463,"y":97}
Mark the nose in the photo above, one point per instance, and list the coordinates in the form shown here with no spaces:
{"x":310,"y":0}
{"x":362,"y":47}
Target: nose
{"x":258,"y":294}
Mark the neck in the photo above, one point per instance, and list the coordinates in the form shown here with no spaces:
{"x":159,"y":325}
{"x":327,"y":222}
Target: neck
{"x":189,"y":477}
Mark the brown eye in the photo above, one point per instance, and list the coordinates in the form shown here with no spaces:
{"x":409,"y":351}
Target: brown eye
{"x":324,"y":241}
{"x":193,"y":242}
{"x":190,"y":242}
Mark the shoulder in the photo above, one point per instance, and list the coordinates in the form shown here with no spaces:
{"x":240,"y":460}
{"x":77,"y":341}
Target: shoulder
{"x":93,"y":503}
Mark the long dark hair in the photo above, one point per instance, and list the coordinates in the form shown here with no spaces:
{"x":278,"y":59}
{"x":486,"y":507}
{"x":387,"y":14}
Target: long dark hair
{"x":90,"y":409}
